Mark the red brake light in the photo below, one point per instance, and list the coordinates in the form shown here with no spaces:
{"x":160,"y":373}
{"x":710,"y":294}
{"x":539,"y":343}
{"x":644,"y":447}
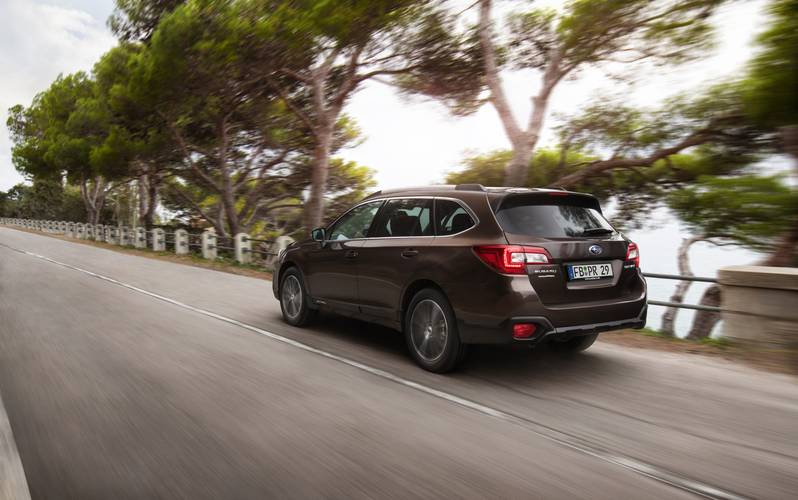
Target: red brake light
{"x":633,"y":253}
{"x":511,"y":259}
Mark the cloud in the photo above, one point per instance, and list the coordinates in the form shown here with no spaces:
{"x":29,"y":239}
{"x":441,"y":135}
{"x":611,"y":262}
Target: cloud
{"x":37,"y":43}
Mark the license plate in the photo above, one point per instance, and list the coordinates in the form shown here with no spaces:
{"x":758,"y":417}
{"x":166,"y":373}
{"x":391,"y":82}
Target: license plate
{"x":589,"y":271}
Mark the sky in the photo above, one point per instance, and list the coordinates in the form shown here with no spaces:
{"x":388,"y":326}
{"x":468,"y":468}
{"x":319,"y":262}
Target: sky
{"x":407,"y":141}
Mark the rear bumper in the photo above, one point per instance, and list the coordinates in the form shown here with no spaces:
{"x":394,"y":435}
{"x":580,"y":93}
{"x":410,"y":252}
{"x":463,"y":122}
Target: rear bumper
{"x":488,"y":317}
{"x":471,"y":334}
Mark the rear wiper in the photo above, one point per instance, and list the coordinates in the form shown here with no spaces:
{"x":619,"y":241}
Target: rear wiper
{"x":596,"y":230}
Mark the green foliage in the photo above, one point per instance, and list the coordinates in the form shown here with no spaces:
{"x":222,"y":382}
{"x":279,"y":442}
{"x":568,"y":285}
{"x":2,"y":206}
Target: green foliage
{"x":752,"y":211}
{"x":772,"y":85}
{"x":447,"y":64}
{"x":134,"y":20}
{"x":585,"y":33}
{"x":546,"y":167}
{"x":55,"y":135}
{"x":45,"y":199}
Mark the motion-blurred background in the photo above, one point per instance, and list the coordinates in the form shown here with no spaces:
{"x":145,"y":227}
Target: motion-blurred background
{"x":272,"y":116}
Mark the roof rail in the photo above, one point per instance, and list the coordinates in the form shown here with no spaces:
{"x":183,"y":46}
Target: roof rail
{"x":469,"y":187}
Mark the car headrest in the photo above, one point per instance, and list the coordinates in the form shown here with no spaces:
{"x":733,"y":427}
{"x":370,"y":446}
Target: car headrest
{"x":403,"y":224}
{"x":460,"y":222}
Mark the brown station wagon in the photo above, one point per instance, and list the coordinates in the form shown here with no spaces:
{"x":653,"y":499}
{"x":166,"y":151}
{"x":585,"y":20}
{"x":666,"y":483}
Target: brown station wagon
{"x":451,"y":266}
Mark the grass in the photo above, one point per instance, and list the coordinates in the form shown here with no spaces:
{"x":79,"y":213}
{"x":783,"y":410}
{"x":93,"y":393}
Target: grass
{"x":720,"y":342}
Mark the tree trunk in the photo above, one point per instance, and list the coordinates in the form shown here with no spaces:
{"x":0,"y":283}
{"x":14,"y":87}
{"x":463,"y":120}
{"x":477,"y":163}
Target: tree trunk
{"x":143,"y":189}
{"x":515,"y":173}
{"x":523,"y":141}
{"x":789,"y":139}
{"x":314,"y":209}
{"x":705,"y":321}
{"x":669,"y":318}
{"x":93,"y":199}
{"x":227,"y":195}
{"x":152,"y":199}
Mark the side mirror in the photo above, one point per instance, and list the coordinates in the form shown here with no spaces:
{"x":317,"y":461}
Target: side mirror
{"x":318,"y":234}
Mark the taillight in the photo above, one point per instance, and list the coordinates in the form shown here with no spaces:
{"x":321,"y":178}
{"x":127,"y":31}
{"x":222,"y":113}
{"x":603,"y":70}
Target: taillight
{"x":511,"y":259}
{"x":633,"y":253}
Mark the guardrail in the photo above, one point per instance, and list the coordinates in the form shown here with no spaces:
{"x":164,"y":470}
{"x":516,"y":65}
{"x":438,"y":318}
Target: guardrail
{"x":206,"y":244}
{"x":677,"y":277}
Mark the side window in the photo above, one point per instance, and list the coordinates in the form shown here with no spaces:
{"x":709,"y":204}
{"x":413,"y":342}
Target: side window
{"x":410,"y":217}
{"x":356,"y":222}
{"x":451,"y":218}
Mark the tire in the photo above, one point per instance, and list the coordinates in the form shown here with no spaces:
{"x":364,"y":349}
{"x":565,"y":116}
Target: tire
{"x":574,"y":345}
{"x":294,"y":299}
{"x":431,"y":332}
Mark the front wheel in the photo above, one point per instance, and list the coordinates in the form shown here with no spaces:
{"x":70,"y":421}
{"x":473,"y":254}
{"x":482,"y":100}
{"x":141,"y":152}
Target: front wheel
{"x":431,"y":332}
{"x":294,"y":300}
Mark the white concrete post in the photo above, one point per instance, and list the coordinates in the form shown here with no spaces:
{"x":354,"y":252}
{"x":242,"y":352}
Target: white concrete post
{"x":243,"y":248}
{"x":107,"y":236}
{"x":98,"y":232}
{"x":181,"y":242}
{"x":80,"y":231}
{"x":62,"y":227}
{"x":209,"y":244}
{"x":88,"y":232}
{"x":158,"y":240}
{"x":140,"y":238}
{"x":280,"y":244}
{"x":124,"y":236}
{"x":69,"y":232}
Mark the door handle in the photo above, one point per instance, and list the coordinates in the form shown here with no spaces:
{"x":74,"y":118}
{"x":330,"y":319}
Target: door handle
{"x":409,"y":253}
{"x":350,"y":254}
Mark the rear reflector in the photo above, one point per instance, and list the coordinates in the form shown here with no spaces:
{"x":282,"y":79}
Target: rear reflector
{"x":524,"y":330}
{"x":511,"y":259}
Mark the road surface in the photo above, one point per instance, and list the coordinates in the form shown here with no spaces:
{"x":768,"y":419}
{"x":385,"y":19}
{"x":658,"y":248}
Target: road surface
{"x":128,"y":377}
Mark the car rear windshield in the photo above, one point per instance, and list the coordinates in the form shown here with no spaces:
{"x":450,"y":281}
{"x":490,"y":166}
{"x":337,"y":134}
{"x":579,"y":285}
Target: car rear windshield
{"x":552,"y":218}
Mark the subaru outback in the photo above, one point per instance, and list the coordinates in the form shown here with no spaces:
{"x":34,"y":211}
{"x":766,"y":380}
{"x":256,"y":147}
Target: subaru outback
{"x":451,"y":266}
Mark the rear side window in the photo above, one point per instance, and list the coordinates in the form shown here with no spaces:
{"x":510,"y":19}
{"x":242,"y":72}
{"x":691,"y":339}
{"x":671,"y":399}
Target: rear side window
{"x":451,"y":218}
{"x":407,"y":217}
{"x":552,"y":219}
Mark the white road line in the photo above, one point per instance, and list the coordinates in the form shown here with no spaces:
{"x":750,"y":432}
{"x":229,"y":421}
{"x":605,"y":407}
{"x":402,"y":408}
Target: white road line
{"x":572,"y":442}
{"x":13,"y":485}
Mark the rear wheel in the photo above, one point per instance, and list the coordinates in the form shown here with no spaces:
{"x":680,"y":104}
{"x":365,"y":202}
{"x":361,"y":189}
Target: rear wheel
{"x":576,"y":344}
{"x":294,"y":300}
{"x":431,"y":332}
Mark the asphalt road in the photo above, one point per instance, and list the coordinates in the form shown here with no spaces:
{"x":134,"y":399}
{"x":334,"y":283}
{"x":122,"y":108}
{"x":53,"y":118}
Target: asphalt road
{"x":178,"y":382}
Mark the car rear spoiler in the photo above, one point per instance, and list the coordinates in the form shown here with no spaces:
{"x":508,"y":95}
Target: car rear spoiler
{"x":545,"y":197}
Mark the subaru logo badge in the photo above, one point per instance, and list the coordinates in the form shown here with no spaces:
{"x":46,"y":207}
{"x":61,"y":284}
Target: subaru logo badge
{"x":595,"y":250}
